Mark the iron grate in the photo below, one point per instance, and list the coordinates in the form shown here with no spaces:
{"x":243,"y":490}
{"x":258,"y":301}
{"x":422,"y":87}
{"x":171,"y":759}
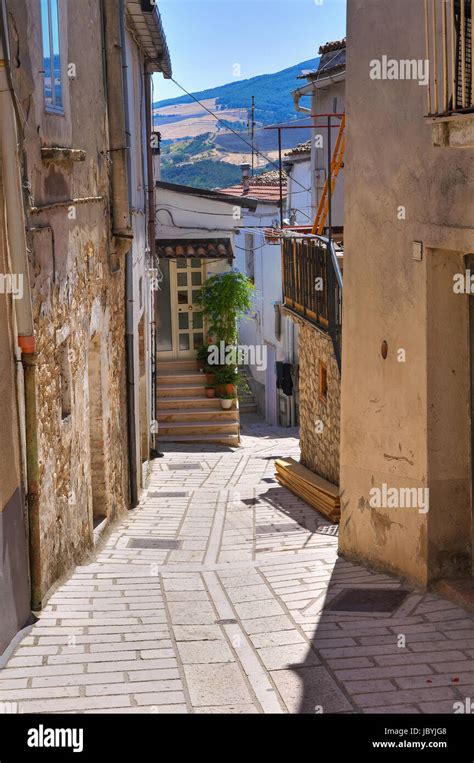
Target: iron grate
{"x":289,"y":527}
{"x":167,"y":495}
{"x":383,"y":600}
{"x":164,"y":543}
{"x":183,"y":467}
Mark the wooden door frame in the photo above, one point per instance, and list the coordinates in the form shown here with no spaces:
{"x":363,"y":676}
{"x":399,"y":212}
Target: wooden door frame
{"x":174,"y":354}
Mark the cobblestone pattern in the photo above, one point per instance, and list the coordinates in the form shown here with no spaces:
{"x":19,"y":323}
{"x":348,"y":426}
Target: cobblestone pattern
{"x":236,"y":619}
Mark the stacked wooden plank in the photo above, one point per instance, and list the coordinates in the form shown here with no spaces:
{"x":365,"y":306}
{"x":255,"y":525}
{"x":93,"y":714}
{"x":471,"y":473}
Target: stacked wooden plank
{"x":316,"y":491}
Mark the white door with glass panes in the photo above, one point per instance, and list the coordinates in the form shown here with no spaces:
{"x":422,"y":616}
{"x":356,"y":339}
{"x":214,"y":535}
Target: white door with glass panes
{"x":180,"y":324}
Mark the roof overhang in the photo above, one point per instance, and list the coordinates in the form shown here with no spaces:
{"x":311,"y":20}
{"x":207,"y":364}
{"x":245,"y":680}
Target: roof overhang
{"x":200,"y":248}
{"x":320,"y":83}
{"x":236,"y":201}
{"x":146,"y":21}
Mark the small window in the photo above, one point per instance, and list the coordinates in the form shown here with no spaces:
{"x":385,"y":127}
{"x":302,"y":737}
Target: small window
{"x":66,"y":380}
{"x":53,"y":91}
{"x":323,"y":382}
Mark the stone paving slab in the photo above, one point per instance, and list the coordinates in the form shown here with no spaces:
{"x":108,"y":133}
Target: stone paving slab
{"x":236,"y":620}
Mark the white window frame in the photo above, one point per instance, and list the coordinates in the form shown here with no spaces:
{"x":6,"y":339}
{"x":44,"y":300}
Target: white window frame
{"x":52,"y":108}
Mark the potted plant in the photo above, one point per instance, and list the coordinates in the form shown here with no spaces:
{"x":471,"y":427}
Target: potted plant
{"x":223,"y":299}
{"x":210,"y":390}
{"x":227,"y":378}
{"x":226,"y":402}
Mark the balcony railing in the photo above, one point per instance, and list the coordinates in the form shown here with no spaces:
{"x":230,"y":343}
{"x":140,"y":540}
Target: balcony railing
{"x":312,"y":284}
{"x":448,"y":31}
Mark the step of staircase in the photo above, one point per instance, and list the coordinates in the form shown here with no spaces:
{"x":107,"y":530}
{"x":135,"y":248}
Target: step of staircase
{"x":197,"y":414}
{"x":188,"y":403}
{"x":180,"y":377}
{"x":183,"y":390}
{"x":247,"y":402}
{"x":232,"y":441}
{"x":176,"y":365}
{"x":197,"y":427}
{"x":185,"y":413}
{"x":248,"y":408}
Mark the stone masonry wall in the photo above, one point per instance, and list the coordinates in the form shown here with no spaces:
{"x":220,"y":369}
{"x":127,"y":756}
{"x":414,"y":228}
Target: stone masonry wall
{"x":78,"y":299}
{"x":319,"y":419}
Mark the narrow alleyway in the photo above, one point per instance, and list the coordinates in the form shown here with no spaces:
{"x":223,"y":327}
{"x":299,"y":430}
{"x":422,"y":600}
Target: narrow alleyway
{"x":209,"y":598}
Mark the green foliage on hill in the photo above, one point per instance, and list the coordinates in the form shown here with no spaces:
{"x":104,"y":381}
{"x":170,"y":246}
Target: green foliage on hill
{"x":206,"y":174}
{"x":273,"y":101}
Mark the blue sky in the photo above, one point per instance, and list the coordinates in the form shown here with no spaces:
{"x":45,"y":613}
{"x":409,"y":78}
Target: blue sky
{"x":207,"y":38}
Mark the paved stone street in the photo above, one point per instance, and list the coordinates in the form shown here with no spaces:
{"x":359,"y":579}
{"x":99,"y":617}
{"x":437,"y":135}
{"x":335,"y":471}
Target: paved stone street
{"x":224,"y":608}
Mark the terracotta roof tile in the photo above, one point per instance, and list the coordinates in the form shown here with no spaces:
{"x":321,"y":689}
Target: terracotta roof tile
{"x":206,"y":247}
{"x":302,"y":148}
{"x":330,"y":46}
{"x":265,"y":187}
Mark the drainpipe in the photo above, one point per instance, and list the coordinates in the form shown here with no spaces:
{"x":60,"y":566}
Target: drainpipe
{"x":31,"y":424}
{"x":119,"y":147}
{"x":152,"y":247}
{"x":129,"y":297}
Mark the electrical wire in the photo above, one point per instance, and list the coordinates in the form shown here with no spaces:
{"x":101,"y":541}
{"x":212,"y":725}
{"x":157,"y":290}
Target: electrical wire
{"x":259,"y":153}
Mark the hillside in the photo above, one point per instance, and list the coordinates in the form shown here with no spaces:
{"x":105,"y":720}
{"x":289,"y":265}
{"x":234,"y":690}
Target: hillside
{"x":200,"y":150}
{"x":273,"y":102}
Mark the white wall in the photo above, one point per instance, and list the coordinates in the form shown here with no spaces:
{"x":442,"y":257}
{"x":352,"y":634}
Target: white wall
{"x":259,"y":328}
{"x":182,"y":215}
{"x":299,"y":190}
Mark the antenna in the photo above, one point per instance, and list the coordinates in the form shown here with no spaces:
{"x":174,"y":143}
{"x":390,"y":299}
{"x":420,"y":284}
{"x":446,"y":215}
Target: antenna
{"x":252,"y":131}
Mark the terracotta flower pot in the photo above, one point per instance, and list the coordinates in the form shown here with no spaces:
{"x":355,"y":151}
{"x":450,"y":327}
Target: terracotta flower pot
{"x":221,"y":389}
{"x":230,"y":389}
{"x":210,"y":392}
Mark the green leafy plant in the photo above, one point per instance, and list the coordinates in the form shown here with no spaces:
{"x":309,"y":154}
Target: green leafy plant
{"x":201,"y":354}
{"x":223,"y":299}
{"x":227,"y":375}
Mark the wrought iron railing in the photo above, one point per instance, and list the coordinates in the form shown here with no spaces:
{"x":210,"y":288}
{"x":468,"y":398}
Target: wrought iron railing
{"x":449,"y":50}
{"x":312,"y":284}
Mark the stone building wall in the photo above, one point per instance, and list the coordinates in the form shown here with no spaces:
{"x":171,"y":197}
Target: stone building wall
{"x":319,"y":419}
{"x":77,"y":290}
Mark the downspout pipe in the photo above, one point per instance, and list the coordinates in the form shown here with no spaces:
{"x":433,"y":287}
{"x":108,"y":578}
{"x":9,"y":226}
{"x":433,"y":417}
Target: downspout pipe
{"x":118,"y":146}
{"x":16,"y":235}
{"x":152,"y":245}
{"x":129,"y":280}
{"x":122,"y":231}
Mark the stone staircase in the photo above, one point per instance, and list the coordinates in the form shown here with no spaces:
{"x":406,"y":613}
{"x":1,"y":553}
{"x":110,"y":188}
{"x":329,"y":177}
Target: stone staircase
{"x":247,"y":402}
{"x":185,"y":414}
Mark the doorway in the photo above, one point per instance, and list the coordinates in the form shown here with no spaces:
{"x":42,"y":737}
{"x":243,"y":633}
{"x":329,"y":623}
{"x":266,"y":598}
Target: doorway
{"x":180,"y":323}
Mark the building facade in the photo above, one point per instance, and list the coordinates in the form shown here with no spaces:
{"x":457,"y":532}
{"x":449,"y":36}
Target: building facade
{"x":407,"y":328}
{"x":82,"y":131}
{"x":272,"y":335}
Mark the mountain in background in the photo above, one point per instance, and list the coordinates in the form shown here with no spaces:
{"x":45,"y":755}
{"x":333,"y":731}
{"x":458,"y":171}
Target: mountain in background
{"x":273,"y":101}
{"x":202,"y":151}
